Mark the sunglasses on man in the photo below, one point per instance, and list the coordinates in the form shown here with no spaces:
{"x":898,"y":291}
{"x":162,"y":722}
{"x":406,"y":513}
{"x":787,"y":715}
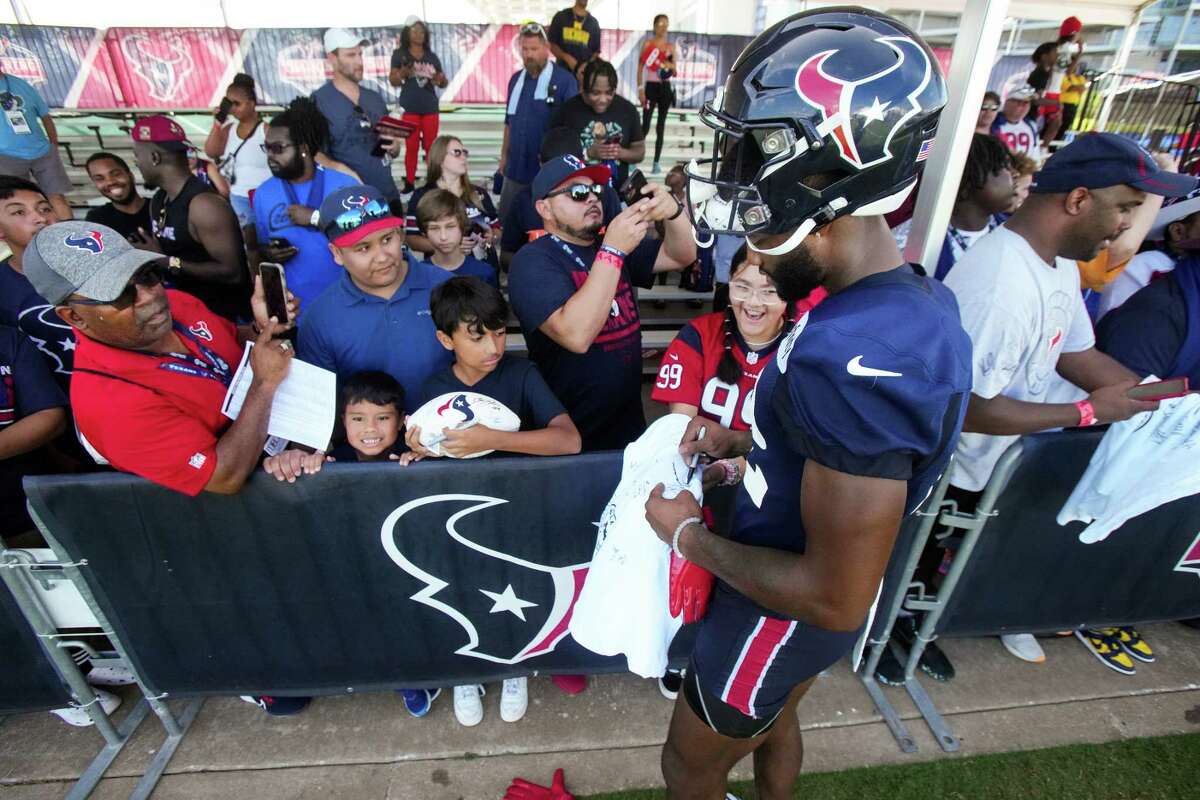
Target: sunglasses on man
{"x":579,"y":192}
{"x":148,"y":276}
{"x":349,"y":220}
{"x":989,"y":107}
{"x":275,"y":148}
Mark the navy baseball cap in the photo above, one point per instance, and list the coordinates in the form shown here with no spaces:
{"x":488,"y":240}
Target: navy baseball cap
{"x":352,"y":212}
{"x":1099,"y":160}
{"x":557,"y":171}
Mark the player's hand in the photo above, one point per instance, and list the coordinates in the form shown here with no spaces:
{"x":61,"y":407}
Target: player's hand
{"x":258,"y":306}
{"x":145,"y":241}
{"x":270,"y":360}
{"x":291,"y":464}
{"x":718,"y":442}
{"x":1113,"y":404}
{"x":689,"y":589}
{"x":627,"y":229}
{"x":665,"y":515}
{"x":412,"y":438}
{"x":521,"y":789}
{"x":463,"y":442}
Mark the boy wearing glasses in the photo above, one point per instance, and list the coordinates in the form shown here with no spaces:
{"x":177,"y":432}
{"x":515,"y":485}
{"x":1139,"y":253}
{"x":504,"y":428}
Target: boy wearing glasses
{"x":376,"y":316}
{"x":573,"y":293}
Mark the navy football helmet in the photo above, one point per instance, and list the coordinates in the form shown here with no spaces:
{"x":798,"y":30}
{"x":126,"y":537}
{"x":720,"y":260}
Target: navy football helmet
{"x":827,"y":113}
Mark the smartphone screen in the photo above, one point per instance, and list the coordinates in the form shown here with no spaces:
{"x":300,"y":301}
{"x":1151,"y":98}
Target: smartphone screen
{"x":1160,"y":390}
{"x":274,"y":290}
{"x":631,"y":192}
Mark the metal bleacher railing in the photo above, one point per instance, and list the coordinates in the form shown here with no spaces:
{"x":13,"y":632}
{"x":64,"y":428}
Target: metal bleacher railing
{"x":1160,"y":113}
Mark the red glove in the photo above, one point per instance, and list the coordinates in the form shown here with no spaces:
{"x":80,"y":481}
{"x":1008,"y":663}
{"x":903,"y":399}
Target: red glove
{"x":690,"y":588}
{"x":521,"y":789}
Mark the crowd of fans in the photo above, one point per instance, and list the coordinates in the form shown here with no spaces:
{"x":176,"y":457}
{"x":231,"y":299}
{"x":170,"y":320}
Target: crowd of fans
{"x":139,"y":315}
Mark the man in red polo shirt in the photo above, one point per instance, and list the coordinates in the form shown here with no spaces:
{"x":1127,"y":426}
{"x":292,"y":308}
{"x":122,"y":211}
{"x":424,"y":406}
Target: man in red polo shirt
{"x":154,"y":363}
{"x":152,"y":366}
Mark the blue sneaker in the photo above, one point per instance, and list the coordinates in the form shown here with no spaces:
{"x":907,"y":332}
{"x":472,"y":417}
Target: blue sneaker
{"x":418,"y":701}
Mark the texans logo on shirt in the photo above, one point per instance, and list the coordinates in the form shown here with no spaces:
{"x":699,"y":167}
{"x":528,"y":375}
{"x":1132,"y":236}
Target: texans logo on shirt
{"x":1191,"y":558}
{"x":851,"y":108}
{"x":42,"y":320}
{"x":514,"y":609}
{"x":89,"y":241}
{"x":201,"y":330}
{"x":460,"y":404}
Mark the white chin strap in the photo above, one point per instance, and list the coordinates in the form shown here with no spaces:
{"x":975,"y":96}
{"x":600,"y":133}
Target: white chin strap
{"x":798,"y":235}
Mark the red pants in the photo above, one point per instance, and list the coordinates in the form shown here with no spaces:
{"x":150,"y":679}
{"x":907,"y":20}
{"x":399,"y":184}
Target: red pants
{"x":426,"y":132}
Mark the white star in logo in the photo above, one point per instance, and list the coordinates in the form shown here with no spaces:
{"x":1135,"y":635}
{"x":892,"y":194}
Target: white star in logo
{"x":67,"y":344}
{"x":874,"y":112}
{"x":508,"y":601}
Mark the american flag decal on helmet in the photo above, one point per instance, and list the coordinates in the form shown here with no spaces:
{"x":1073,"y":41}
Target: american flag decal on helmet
{"x":923,"y":152}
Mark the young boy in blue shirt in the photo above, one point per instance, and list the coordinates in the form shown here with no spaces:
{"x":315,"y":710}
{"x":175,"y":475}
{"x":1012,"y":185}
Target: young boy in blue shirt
{"x":442,"y":218}
{"x":471,"y":317}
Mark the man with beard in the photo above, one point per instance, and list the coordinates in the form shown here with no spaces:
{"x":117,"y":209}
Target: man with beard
{"x":126,"y":211}
{"x":193,"y":226}
{"x":286,"y":205}
{"x":534,"y":92}
{"x":352,"y":111}
{"x":574,"y":294}
{"x":855,"y":417}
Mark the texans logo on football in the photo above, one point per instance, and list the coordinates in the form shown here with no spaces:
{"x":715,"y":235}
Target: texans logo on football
{"x":850,"y":107}
{"x":513,"y":609}
{"x":1191,"y":558}
{"x":458,"y":403}
{"x":90,"y":242}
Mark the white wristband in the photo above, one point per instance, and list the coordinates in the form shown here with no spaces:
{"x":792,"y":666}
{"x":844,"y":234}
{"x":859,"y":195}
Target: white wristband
{"x":679,"y":530}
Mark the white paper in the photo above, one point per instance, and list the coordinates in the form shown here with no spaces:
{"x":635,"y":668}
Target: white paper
{"x":304,"y":407}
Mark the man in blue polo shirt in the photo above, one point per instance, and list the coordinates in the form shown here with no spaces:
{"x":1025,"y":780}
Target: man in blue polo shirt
{"x":533,"y":94}
{"x":376,"y":317}
{"x":286,"y":204}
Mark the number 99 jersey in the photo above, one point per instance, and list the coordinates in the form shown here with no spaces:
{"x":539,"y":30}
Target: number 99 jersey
{"x":688,"y":372}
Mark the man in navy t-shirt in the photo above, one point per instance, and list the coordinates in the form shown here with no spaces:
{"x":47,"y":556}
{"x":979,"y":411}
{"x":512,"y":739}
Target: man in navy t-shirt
{"x":286,"y":204}
{"x":376,"y":316}
{"x":573,"y":294}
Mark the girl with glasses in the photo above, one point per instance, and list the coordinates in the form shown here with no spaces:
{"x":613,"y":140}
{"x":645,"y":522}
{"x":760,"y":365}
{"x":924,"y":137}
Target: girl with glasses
{"x":448,"y":170}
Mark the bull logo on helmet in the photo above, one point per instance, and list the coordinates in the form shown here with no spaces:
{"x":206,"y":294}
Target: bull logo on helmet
{"x":850,"y":109}
{"x":511,"y":609}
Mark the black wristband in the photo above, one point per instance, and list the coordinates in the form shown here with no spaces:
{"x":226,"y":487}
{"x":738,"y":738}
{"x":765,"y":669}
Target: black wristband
{"x":678,"y":211}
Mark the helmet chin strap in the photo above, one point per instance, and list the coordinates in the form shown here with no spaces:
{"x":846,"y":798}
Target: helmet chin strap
{"x":798,"y":235}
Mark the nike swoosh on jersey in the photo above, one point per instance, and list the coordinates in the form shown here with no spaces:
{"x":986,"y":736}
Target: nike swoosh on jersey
{"x":855,"y":367}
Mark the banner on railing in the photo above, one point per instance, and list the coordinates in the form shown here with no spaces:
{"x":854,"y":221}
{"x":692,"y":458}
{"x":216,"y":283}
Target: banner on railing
{"x":191,"y":67}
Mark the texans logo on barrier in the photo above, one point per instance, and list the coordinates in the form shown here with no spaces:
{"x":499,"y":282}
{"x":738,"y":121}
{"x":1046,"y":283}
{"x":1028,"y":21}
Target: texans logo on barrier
{"x":504,"y":613}
{"x":458,"y":403}
{"x":1191,"y":558}
{"x":91,"y":242}
{"x":851,"y":108}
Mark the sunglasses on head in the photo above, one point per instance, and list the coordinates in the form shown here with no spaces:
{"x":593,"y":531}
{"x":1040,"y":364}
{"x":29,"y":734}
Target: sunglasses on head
{"x":349,"y":220}
{"x":364,"y":121}
{"x":148,"y":276}
{"x":579,"y":192}
{"x":533,"y":29}
{"x":275,"y":148}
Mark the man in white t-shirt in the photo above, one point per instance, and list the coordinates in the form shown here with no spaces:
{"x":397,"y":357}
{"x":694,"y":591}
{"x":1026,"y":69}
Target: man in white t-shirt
{"x":1019,"y":296}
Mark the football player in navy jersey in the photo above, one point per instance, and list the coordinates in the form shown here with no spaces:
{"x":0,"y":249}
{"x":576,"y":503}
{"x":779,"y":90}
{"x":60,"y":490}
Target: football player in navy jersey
{"x":820,"y":128}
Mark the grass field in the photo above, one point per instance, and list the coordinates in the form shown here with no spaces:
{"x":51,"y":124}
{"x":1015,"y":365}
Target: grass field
{"x":1162,"y":768}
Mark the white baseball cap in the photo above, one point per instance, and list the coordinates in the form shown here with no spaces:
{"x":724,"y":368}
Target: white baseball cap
{"x":339,"y":38}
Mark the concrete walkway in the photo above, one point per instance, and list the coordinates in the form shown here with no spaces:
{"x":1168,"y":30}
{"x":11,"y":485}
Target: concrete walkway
{"x":609,"y":737}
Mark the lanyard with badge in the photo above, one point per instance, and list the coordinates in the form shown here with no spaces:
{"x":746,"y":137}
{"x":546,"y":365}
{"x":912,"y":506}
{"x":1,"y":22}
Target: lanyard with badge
{"x":958,"y":238}
{"x":316,"y":191}
{"x":211,"y":366}
{"x":616,"y":309}
{"x":11,"y":104}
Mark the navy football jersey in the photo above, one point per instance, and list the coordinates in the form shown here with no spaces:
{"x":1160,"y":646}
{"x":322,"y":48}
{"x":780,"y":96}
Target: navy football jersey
{"x":873,"y":382}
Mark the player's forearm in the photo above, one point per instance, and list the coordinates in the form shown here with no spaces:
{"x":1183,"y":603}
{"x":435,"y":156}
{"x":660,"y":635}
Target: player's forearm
{"x":239,"y":447}
{"x":775,"y":579}
{"x":1004,"y":416}
{"x":29,"y":433}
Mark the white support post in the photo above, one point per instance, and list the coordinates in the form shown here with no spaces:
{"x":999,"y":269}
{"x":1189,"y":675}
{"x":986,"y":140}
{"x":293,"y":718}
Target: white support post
{"x":1119,"y":64}
{"x":975,"y":49}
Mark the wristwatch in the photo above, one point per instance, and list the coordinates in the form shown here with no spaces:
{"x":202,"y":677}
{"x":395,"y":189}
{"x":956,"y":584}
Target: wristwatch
{"x":174,"y":265}
{"x":315,"y":219}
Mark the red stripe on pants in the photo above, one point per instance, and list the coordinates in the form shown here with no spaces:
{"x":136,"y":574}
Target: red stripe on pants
{"x":425,"y":132}
{"x":754,"y":663}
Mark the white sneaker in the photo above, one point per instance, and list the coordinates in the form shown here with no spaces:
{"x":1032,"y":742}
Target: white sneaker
{"x":79,"y":717}
{"x":468,"y":708}
{"x":1024,"y":646}
{"x":514,"y":699}
{"x":119,"y":675}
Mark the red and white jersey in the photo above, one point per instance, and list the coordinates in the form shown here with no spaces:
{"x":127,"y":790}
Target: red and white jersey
{"x":1020,"y":136}
{"x":688,"y":372}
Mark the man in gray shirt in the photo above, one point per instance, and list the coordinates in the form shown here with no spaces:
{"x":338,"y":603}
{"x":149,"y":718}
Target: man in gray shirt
{"x":353,"y":111}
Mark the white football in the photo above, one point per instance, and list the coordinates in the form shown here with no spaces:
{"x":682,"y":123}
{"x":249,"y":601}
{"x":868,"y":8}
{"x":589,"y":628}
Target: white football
{"x":457,"y":410}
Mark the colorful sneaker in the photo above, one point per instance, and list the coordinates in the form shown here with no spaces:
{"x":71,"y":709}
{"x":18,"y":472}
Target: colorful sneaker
{"x":278,"y":706}
{"x":670,"y":684}
{"x":889,"y":671}
{"x":468,"y":707}
{"x":418,"y":701}
{"x":514,"y":699}
{"x":1133,"y":643}
{"x":1108,"y":649}
{"x":1024,"y":646}
{"x":78,"y":717}
{"x":571,"y":684}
